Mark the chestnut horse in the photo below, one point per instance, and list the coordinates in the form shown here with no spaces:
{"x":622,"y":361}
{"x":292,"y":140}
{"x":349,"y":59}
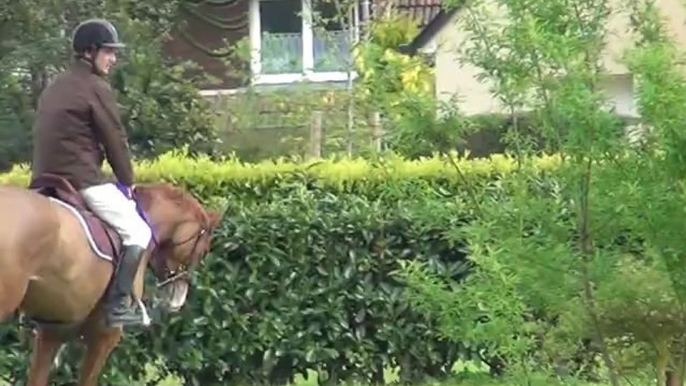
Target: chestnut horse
{"x":57,"y":260}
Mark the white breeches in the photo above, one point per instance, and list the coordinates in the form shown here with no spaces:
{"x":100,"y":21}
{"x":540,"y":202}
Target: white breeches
{"x":113,"y":207}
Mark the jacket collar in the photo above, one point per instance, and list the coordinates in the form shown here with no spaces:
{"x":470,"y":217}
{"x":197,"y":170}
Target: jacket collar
{"x":83,"y":66}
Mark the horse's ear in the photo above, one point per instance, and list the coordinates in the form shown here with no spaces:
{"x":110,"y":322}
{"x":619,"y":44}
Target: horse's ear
{"x":214,"y":217}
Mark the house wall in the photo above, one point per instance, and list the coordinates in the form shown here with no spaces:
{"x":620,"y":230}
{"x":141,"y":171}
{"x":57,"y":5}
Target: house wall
{"x":458,"y":80}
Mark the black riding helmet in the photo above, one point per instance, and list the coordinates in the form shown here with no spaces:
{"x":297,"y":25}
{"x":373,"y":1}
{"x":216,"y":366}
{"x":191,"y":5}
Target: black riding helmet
{"x":95,"y":34}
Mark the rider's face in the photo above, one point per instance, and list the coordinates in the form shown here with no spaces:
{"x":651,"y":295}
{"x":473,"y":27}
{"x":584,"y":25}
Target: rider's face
{"x":105,"y":59}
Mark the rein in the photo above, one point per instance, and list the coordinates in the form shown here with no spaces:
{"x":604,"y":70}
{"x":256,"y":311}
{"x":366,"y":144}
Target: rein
{"x":173,"y":276}
{"x":184,"y":271}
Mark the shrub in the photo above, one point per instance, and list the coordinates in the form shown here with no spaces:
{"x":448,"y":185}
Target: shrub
{"x":301,"y":272}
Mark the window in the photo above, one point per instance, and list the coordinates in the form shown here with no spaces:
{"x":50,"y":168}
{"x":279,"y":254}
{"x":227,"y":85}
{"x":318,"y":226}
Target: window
{"x":296,"y":40}
{"x":281,"y":36}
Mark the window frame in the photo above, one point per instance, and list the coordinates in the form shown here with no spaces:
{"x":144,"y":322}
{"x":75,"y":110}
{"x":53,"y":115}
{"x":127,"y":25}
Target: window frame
{"x":308,"y":73}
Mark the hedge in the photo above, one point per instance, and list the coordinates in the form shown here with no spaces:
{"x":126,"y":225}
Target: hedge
{"x":300,"y":275}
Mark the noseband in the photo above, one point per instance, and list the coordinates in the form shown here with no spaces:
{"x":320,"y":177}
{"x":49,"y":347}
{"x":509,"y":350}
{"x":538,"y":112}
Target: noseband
{"x":183,"y":271}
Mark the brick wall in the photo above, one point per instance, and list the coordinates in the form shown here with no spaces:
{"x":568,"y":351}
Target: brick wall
{"x":211,"y":27}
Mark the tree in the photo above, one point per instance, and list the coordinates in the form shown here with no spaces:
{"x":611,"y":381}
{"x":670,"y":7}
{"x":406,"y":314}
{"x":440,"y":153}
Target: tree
{"x":161,"y":109}
{"x":592,"y":251}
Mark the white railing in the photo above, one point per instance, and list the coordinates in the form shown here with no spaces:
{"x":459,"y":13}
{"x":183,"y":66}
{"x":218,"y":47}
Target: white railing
{"x":282,"y":53}
{"x":332,"y":50}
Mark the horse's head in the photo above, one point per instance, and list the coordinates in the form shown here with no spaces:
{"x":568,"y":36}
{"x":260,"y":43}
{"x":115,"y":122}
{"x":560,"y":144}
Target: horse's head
{"x":182,"y":233}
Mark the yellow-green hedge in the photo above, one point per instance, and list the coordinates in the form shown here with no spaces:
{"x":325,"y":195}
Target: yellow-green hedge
{"x":176,"y":167}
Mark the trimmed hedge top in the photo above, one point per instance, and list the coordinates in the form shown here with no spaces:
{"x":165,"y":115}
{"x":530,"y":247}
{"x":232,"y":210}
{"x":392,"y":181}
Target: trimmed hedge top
{"x":176,"y":167}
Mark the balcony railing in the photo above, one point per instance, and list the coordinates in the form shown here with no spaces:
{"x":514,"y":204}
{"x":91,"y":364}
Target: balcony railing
{"x":332,"y":50}
{"x":282,"y":53}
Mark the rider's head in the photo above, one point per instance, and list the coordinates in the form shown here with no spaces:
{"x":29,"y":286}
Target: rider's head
{"x":97,"y":41}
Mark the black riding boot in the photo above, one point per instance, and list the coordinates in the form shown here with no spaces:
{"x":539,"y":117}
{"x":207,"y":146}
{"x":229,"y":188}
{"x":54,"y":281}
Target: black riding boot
{"x":118,"y":312}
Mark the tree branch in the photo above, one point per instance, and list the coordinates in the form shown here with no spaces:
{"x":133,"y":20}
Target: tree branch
{"x":586,"y":248}
{"x":212,"y":3}
{"x":229,"y":24}
{"x":208,"y":51}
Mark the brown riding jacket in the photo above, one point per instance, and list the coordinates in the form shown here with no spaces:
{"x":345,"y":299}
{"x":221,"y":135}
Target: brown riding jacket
{"x":77,"y":127}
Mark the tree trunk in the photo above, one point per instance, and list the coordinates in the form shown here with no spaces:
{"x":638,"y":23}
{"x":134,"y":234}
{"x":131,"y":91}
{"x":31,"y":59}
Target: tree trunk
{"x":661,"y":365}
{"x":672,"y":379}
{"x":316,"y":135}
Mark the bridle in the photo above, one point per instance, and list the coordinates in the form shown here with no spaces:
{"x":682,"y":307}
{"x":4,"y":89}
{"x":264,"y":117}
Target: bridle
{"x":183,"y":271}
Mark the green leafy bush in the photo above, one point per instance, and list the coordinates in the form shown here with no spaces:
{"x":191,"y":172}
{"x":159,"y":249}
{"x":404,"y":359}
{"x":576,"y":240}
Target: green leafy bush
{"x":301,"y":272}
{"x":594,"y":256}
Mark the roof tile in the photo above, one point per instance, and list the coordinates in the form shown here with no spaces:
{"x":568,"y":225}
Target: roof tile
{"x":423,"y":11}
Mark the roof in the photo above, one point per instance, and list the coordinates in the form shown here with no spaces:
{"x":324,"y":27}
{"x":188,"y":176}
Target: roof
{"x":423,"y":11}
{"x":430,"y":29}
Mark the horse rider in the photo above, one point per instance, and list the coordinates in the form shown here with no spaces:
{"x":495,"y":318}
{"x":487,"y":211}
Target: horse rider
{"x":78,"y":126}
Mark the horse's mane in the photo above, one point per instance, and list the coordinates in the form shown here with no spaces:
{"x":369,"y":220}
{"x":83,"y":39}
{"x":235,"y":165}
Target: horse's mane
{"x":177,"y":196}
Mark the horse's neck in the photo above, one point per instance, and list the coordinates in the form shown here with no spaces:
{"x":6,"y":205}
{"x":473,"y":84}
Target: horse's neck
{"x":157,"y":212}
{"x":160,"y":226}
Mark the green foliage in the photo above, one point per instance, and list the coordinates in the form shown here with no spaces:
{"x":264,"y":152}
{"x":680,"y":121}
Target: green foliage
{"x":314,"y":291}
{"x":160,"y":110}
{"x":163,"y":110}
{"x":385,"y":74}
{"x":14,"y":118}
{"x":593,"y":252}
{"x":398,"y":87}
{"x":300,"y":275}
{"x":401,"y":88}
{"x":424,"y":126}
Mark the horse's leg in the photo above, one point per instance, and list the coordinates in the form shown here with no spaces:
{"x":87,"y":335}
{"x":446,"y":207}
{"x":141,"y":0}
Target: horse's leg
{"x":13,"y":287}
{"x":99,"y":345}
{"x":45,"y":346}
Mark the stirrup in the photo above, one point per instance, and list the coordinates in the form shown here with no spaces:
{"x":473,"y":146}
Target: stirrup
{"x":133,"y":316}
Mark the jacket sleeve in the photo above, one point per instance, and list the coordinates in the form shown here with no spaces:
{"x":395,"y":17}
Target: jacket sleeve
{"x":111,"y":132}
